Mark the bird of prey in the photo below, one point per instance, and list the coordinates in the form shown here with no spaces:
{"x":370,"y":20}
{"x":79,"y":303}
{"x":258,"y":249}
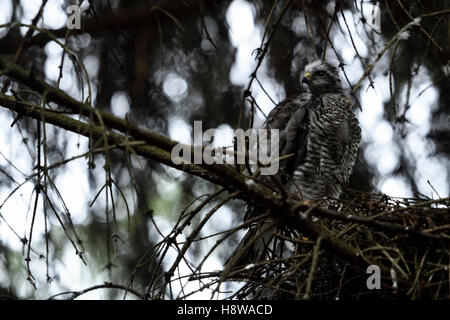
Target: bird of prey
{"x":320,"y":131}
{"x":332,"y":139}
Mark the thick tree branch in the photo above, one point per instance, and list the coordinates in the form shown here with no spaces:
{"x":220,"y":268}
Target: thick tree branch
{"x":257,"y":194}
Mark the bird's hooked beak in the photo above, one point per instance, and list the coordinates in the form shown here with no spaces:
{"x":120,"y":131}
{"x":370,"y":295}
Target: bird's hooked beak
{"x":306,"y":77}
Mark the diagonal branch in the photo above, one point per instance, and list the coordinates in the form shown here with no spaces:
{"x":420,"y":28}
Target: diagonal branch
{"x":255,"y":193}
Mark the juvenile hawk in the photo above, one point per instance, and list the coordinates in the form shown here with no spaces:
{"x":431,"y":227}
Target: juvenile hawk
{"x":320,"y":130}
{"x":332,"y":139}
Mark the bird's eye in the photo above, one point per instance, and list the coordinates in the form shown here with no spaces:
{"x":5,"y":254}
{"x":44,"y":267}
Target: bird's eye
{"x":320,"y":73}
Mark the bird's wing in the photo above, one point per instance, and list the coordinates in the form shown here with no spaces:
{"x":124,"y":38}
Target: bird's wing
{"x":290,"y":117}
{"x":296,"y":133}
{"x":279,"y":116}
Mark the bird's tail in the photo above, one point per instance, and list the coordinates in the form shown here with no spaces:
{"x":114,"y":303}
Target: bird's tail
{"x":252,"y":248}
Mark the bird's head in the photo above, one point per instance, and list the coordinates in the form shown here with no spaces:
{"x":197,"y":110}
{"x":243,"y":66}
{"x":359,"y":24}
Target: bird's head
{"x":322,"y":77}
